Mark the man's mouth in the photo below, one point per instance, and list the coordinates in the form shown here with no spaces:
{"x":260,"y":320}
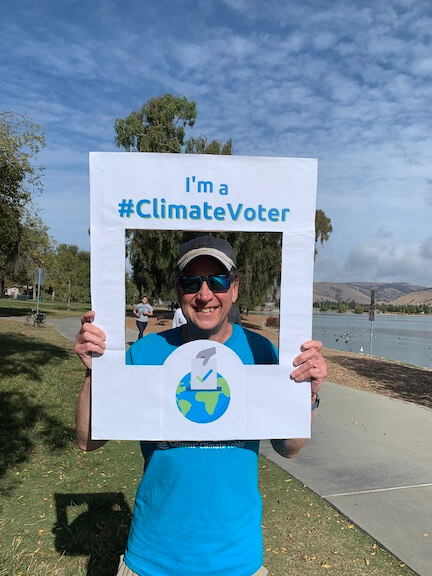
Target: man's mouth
{"x":208,"y":310}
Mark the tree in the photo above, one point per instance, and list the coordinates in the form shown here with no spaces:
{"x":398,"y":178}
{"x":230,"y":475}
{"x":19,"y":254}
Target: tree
{"x":199,"y":146}
{"x":153,"y":257}
{"x":323,"y":228}
{"x":35,"y":250}
{"x":159,"y":126}
{"x":68,"y":277}
{"x":20,"y":176}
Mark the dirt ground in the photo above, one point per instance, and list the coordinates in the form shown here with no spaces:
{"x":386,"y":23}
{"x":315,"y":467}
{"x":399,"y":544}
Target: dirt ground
{"x":372,"y":374}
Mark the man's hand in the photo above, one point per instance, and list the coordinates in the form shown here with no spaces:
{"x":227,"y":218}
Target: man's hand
{"x":89,"y":340}
{"x":311,"y":365}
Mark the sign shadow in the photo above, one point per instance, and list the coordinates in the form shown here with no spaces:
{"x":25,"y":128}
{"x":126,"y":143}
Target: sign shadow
{"x":94,"y":525}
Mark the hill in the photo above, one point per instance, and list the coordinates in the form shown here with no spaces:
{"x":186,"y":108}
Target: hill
{"x":418,"y":297}
{"x":359,"y":292}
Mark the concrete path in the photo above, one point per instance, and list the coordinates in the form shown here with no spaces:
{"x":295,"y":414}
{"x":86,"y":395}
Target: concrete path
{"x":370,"y":457}
{"x":68,"y":327}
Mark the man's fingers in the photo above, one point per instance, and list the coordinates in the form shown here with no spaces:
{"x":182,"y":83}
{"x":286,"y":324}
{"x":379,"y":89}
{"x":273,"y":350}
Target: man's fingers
{"x":89,"y":348}
{"x":88,"y":317}
{"x":312,"y":345}
{"x":93,"y":337}
{"x":308,"y":354}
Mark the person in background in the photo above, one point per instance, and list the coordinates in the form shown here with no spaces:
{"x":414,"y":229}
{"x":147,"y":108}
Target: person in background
{"x":178,"y":318}
{"x":142,"y":311}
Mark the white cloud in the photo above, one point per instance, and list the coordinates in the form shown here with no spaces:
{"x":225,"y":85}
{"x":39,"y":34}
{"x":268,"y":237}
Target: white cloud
{"x":348,"y":83}
{"x":426,"y":250}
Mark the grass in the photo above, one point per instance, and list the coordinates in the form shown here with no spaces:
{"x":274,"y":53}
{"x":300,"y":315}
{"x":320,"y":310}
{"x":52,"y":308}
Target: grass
{"x":66,"y":513}
{"x":10,"y":307}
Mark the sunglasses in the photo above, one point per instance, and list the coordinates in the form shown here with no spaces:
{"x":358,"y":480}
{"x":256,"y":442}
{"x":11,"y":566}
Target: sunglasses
{"x":216,"y":283}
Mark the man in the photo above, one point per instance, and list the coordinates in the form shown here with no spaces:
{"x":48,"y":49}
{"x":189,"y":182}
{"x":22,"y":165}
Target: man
{"x":198,"y":509}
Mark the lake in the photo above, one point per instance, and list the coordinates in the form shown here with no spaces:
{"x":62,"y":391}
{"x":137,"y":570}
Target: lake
{"x":407,"y":339}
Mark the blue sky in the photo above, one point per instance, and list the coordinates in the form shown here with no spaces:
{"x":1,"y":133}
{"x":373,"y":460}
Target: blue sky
{"x":347,"y":82}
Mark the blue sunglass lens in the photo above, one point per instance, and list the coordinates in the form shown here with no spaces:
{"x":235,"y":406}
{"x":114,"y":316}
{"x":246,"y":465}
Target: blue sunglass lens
{"x":216,"y":283}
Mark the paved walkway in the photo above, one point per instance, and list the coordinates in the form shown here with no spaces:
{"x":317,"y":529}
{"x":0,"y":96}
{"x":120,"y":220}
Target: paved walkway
{"x":370,"y":457}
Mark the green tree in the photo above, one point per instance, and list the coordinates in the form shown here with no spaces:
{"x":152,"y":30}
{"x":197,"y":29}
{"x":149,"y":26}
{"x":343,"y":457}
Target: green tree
{"x":159,"y":125}
{"x":153,"y":257}
{"x":35,"y":250}
{"x":323,"y":228}
{"x":68,"y":277}
{"x":200,"y":146}
{"x":20,"y":176}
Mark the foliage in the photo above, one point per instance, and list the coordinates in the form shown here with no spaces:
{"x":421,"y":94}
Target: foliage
{"x":68,"y":275}
{"x":34,"y":251}
{"x":199,"y":146}
{"x":323,"y":228}
{"x":153,"y":257}
{"x":159,"y":125}
{"x":132,"y":295}
{"x":329,"y":306}
{"x":20,"y":143}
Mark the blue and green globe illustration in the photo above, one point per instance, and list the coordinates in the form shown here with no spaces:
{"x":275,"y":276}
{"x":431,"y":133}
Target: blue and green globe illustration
{"x":202,"y":406}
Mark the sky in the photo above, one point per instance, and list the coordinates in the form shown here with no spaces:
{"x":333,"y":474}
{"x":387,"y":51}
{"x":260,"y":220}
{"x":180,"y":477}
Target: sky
{"x":347,"y":82}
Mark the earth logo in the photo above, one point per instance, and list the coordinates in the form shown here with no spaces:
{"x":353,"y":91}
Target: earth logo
{"x":202,"y":406}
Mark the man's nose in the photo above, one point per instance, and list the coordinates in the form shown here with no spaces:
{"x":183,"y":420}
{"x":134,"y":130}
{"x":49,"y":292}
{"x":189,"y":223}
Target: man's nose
{"x":204,"y":293}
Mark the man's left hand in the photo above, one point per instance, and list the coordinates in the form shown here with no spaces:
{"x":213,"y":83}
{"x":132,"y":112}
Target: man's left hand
{"x":311,"y":365}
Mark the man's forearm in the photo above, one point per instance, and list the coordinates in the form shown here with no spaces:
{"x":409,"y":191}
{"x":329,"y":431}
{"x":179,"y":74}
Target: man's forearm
{"x":83,"y":417}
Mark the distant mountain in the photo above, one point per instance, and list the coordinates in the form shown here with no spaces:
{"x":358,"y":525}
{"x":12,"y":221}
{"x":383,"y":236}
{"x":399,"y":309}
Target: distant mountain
{"x":359,"y":292}
{"x":419,"y":297}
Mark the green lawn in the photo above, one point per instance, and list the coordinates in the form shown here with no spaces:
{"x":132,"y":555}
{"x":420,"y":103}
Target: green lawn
{"x":66,"y":513}
{"x":10,"y":307}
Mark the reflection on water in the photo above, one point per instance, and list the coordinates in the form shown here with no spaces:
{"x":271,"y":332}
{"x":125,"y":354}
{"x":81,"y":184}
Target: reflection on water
{"x":407,"y":339}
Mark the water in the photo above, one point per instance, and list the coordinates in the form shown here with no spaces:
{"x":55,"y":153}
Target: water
{"x":407,"y":339}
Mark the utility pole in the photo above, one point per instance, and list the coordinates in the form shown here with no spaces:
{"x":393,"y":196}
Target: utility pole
{"x":371,"y":319}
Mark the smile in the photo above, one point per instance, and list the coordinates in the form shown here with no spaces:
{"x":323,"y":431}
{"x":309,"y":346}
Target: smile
{"x":206,"y":310}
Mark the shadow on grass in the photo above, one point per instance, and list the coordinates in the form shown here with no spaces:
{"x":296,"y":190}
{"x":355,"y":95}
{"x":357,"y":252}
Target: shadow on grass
{"x":396,"y":380}
{"x":7,"y":309}
{"x":23,"y":425}
{"x":23,"y":422}
{"x":93,"y":525}
{"x":20,"y":354}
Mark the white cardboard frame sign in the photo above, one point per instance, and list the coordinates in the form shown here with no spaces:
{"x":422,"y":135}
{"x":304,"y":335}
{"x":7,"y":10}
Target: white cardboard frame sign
{"x":200,"y":193}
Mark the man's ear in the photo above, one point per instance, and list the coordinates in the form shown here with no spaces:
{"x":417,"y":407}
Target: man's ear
{"x":235,"y":289}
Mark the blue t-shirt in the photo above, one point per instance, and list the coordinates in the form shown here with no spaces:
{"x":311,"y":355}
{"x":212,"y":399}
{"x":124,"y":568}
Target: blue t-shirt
{"x":198,"y":509}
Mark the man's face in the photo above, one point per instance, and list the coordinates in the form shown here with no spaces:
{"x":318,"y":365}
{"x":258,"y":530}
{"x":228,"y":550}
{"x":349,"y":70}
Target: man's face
{"x":145,"y":300}
{"x":208,"y":311}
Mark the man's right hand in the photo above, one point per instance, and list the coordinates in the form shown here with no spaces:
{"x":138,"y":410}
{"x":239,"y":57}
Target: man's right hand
{"x":89,"y":340}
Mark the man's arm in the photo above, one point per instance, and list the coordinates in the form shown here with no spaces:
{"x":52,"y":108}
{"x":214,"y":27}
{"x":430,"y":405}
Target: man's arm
{"x":89,"y":340}
{"x":311,"y":366}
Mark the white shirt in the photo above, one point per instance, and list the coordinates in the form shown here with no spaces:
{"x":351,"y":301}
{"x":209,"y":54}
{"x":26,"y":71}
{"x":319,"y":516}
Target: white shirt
{"x":178,"y":319}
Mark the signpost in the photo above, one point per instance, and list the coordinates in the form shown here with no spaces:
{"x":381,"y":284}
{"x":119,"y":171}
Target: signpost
{"x":39,"y":280}
{"x":371,"y":319}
